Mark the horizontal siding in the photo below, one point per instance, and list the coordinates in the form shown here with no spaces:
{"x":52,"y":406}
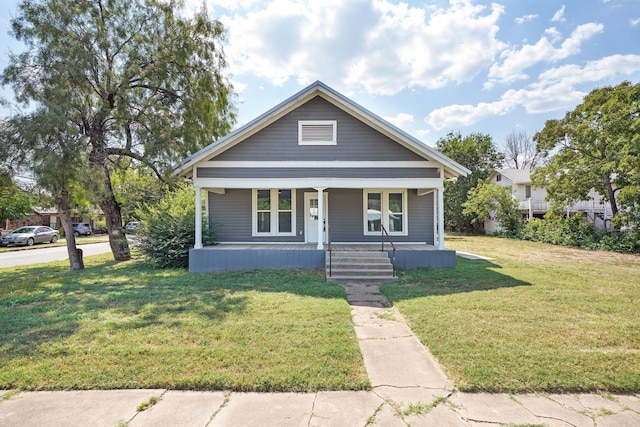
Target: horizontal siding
{"x":317,"y":173}
{"x":355,"y":140}
{"x":231,"y":212}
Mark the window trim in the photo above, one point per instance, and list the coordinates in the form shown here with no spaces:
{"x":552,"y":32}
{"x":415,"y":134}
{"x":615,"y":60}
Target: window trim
{"x":274,"y":212}
{"x":333,"y":123}
{"x":385,"y":210}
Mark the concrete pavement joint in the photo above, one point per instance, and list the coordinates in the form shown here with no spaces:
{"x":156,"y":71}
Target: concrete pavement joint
{"x":225,"y":402}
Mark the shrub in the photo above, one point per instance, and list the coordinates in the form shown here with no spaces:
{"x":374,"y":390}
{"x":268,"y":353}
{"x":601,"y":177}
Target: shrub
{"x":576,"y":231}
{"x":167,"y":229}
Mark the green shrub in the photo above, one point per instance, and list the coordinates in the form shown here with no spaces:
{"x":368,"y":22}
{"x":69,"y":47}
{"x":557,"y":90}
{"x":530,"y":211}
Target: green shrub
{"x":167,"y":229}
{"x":577,"y":231}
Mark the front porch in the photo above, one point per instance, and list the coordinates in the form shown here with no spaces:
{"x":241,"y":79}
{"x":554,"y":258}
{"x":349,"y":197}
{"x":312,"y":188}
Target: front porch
{"x":249,"y":256}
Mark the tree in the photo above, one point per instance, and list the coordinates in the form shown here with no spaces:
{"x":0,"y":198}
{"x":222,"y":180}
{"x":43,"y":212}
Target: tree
{"x":492,"y":201}
{"x":520,"y":151}
{"x":136,"y":79}
{"x":478,"y":153}
{"x":43,"y":140}
{"x":14,"y":202}
{"x":595,"y":146}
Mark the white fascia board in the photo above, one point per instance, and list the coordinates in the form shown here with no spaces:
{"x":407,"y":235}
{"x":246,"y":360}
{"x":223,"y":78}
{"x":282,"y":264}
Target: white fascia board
{"x":319,"y":183}
{"x":319,"y":164}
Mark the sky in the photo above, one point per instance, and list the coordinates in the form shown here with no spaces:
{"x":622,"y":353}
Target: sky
{"x":429,"y":67}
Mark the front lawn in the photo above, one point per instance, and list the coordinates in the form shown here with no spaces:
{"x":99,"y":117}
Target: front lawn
{"x":535,"y":318}
{"x":127,"y":326}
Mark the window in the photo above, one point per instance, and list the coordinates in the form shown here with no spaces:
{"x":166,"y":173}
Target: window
{"x":387,"y":208}
{"x":498,"y":178}
{"x":527,"y":192}
{"x":317,"y":132}
{"x":273,"y":212}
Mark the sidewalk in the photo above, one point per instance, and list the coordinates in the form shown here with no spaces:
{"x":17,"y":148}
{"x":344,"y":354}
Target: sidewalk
{"x":408,"y":389}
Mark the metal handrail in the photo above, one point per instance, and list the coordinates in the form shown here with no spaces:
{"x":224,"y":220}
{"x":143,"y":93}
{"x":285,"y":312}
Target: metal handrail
{"x":393,"y":259}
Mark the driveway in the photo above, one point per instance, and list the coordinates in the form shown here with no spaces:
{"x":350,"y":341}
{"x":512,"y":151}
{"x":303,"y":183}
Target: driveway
{"x":48,"y":254}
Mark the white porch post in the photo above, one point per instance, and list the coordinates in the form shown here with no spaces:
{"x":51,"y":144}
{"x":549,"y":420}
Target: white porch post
{"x":440,"y":192}
{"x":198,"y":219}
{"x":320,"y":217}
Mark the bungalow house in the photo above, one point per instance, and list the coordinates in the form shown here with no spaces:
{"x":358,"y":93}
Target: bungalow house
{"x":315,"y":174}
{"x":533,"y":203}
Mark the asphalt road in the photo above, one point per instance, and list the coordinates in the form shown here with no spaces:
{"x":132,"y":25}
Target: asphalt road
{"x":48,"y":254}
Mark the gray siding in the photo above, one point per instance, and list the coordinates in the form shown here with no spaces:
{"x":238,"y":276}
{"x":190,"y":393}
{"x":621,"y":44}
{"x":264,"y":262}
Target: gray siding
{"x":231,"y":212}
{"x":356,"y":140}
{"x":318,"y":173}
{"x":206,"y":260}
{"x":346,"y":217}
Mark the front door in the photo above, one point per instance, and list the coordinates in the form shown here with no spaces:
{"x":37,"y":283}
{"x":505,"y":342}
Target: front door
{"x":311,"y":217}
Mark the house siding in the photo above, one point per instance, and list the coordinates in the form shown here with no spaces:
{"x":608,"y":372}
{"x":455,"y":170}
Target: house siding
{"x":231,"y":213}
{"x":355,"y":140}
{"x":223,"y":172}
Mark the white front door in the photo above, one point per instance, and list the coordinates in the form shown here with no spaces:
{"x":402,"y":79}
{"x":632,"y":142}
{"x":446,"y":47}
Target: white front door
{"x":311,"y":217}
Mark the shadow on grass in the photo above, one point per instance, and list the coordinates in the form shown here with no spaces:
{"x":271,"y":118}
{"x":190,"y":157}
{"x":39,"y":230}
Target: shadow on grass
{"x":467,"y":276}
{"x":49,"y":303}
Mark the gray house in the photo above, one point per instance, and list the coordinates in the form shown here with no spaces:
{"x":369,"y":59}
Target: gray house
{"x":318,"y":173}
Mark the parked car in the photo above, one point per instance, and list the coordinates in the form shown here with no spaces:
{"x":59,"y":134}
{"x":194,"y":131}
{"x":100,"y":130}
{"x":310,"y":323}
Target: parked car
{"x":29,"y":236}
{"x":132,"y":227}
{"x":81,"y":228}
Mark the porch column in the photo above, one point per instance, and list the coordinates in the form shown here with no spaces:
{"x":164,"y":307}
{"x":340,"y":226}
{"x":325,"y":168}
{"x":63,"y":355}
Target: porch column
{"x":198,"y":244}
{"x":320,"y":218}
{"x":440,"y":192}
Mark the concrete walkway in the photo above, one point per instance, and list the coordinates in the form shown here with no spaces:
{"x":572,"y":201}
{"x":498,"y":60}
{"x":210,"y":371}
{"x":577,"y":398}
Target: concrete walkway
{"x":409,"y":389}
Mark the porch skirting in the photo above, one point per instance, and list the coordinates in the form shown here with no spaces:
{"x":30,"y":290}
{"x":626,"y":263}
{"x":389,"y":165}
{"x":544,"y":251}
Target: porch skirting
{"x":251,"y":257}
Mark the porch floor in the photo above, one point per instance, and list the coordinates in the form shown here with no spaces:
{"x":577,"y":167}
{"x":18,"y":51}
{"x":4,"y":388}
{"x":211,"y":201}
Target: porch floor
{"x":313,"y":246}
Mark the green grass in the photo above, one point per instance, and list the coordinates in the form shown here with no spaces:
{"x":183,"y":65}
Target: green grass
{"x":125,"y":325}
{"x":535,"y":318}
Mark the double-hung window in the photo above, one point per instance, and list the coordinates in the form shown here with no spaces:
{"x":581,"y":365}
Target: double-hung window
{"x":273,"y":212}
{"x":386,"y":208}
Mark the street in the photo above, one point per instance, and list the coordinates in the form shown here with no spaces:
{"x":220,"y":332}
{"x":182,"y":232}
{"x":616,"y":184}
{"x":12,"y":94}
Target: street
{"x":48,"y":254}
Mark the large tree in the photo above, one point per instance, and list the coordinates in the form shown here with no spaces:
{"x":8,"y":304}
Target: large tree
{"x":137,"y":79}
{"x":479,"y":154}
{"x":595,"y":146}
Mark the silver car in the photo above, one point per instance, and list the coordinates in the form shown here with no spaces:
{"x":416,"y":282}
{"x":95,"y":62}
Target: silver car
{"x":30,"y":235}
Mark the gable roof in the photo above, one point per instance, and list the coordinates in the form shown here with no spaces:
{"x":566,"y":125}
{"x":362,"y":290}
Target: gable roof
{"x":451,"y":168}
{"x":517,"y":176}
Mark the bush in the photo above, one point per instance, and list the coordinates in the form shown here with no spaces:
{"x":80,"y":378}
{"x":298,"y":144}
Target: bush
{"x":576,"y":231}
{"x":167,"y":230}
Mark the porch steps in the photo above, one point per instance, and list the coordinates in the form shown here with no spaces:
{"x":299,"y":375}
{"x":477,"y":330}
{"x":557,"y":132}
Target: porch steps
{"x":367,"y":267}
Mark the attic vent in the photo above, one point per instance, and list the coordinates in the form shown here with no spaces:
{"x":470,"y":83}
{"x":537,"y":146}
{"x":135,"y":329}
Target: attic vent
{"x":317,"y":132}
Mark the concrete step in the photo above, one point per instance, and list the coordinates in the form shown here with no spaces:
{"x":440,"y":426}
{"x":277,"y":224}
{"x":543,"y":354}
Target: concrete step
{"x":364,"y":267}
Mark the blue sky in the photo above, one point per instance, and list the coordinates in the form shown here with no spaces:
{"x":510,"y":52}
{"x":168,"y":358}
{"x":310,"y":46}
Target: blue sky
{"x":429,"y":67}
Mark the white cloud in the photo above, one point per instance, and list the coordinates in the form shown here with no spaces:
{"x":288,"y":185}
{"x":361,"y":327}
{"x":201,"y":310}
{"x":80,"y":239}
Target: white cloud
{"x":634,"y":21}
{"x":372,"y":44}
{"x":559,"y":15}
{"x":555,"y":90}
{"x":400,"y":120}
{"x":525,"y":18}
{"x":517,"y":60}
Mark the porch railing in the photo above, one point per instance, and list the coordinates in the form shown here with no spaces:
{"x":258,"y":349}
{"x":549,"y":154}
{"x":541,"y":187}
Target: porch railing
{"x":393,"y":258}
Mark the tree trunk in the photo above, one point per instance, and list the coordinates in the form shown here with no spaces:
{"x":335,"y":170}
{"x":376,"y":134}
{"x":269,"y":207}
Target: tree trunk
{"x":611,"y":195}
{"x":113,"y":217}
{"x":62,"y":205}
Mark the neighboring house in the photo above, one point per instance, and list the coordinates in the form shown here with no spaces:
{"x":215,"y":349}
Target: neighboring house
{"x":42,"y":216}
{"x":318,"y":168}
{"x":532,"y":200}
